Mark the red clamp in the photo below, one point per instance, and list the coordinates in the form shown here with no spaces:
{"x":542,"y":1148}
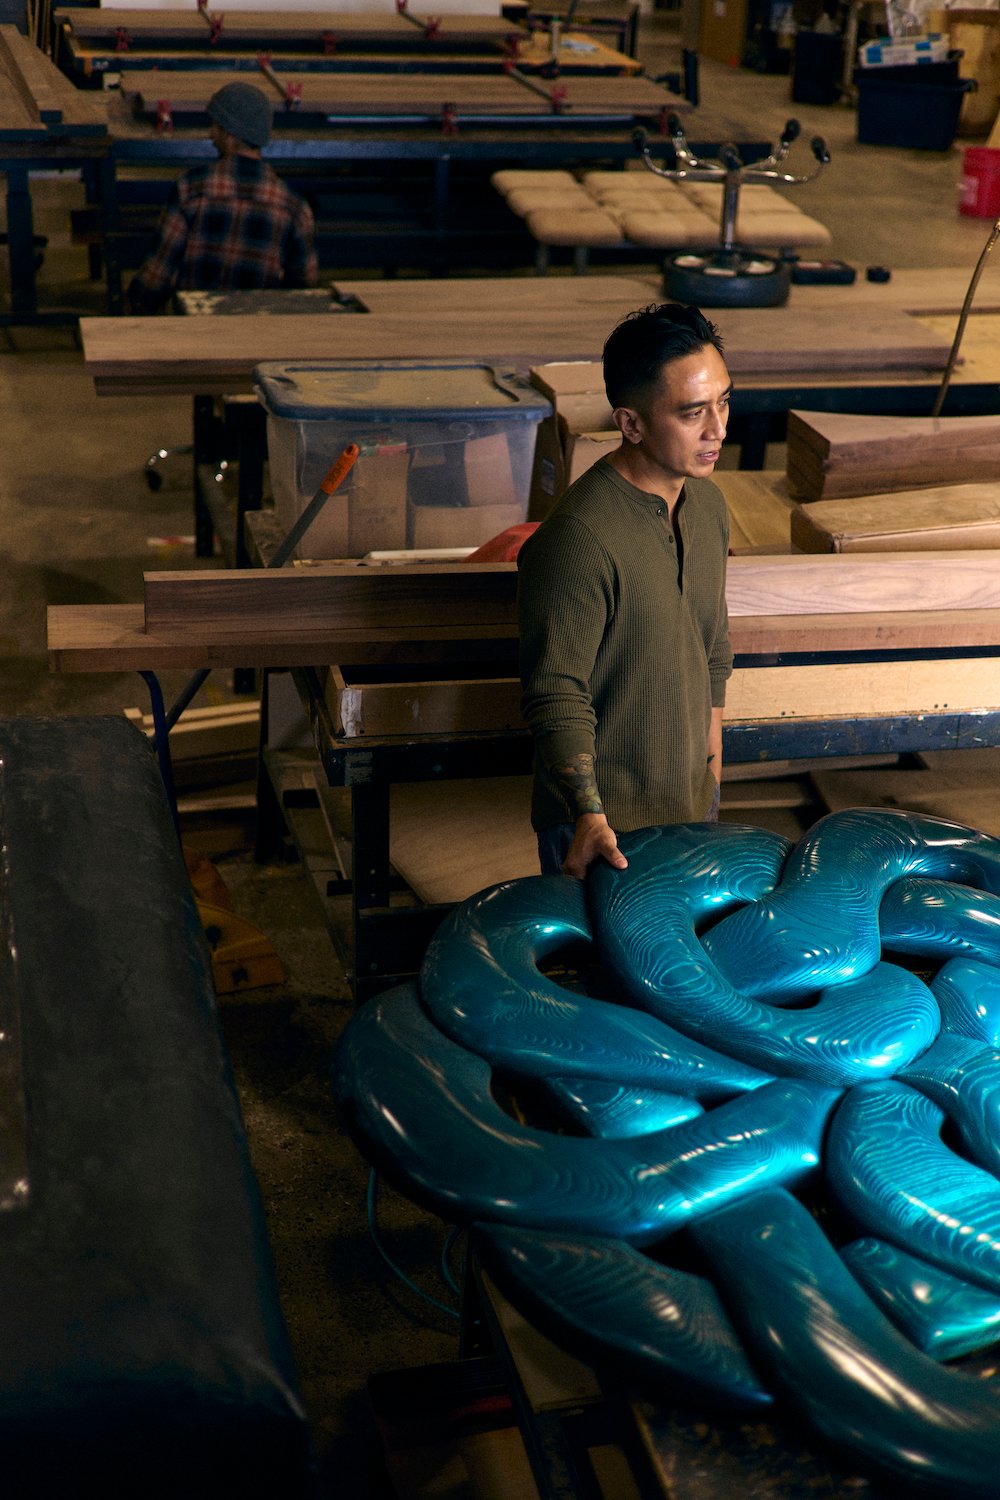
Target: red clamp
{"x":214,"y":28}
{"x":559,"y":94}
{"x":512,"y":53}
{"x":164,"y":119}
{"x":293,"y":95}
{"x":122,"y":39}
{"x":263,"y":61}
{"x":401,"y":7}
{"x":329,"y":44}
{"x":662,"y":123}
{"x":449,"y":119}
{"x":432,"y":28}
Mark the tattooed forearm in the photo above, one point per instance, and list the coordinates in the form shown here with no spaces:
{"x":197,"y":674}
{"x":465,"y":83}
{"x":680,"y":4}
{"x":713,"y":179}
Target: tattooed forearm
{"x":577,"y":780}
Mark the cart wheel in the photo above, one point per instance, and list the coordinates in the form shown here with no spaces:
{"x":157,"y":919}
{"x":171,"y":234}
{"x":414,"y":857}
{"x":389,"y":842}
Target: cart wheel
{"x":709,"y":280}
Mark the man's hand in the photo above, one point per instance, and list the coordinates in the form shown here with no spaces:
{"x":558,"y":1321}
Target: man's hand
{"x":594,"y":839}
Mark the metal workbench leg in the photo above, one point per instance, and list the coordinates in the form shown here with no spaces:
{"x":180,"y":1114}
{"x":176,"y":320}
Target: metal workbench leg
{"x":203,"y":429}
{"x":20,"y":241}
{"x":161,"y":742}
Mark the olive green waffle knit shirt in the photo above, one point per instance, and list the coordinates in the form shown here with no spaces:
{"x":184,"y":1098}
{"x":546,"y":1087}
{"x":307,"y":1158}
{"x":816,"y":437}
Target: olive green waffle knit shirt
{"x":624,"y":652}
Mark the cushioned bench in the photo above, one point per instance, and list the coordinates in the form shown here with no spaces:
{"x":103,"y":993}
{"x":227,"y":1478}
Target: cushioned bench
{"x":142,"y":1350}
{"x":635,"y":209}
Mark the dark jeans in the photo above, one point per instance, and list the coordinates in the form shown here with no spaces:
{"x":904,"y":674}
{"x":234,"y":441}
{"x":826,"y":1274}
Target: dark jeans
{"x":554,"y":842}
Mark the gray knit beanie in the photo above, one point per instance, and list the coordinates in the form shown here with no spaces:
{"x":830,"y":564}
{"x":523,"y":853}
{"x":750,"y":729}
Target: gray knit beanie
{"x":244,"y":111}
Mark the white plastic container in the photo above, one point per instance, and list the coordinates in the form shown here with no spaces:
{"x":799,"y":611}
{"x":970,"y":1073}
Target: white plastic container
{"x":446,"y":451}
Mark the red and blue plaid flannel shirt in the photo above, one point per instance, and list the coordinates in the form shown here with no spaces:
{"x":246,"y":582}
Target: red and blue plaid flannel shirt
{"x":227,"y":226}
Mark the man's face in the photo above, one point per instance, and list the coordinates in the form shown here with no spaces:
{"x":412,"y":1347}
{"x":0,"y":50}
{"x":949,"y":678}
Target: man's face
{"x":682,"y":424}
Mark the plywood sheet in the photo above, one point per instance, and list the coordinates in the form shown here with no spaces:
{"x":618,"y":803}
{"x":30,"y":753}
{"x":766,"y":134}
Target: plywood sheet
{"x":449,"y":840}
{"x":852,"y":690}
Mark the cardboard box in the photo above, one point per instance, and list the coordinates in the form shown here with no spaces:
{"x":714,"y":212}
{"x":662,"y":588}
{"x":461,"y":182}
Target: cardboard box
{"x":961,"y":516}
{"x":377,"y":508}
{"x":460,"y":525}
{"x":489,"y":475}
{"x":576,"y":390}
{"x":583,"y":449}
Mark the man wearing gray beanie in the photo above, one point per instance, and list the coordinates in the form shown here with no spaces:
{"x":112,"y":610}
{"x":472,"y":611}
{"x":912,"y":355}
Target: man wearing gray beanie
{"x":233,"y":224}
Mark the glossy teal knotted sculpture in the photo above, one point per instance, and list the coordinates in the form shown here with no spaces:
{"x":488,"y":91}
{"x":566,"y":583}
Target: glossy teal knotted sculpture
{"x":761,"y":1030}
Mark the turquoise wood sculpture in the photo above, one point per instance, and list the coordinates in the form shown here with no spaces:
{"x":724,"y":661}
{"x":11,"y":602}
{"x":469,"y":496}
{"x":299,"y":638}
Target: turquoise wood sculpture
{"x":760,"y":1154}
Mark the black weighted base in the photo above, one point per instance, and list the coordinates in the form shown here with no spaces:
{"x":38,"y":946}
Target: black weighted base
{"x":143,"y":1351}
{"x":712,"y":279}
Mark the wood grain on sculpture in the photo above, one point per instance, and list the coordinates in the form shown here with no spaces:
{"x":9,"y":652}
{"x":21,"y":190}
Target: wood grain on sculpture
{"x":786,"y":1058}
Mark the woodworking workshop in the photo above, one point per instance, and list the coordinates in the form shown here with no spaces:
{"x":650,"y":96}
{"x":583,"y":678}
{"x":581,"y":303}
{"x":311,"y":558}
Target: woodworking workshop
{"x":499,"y":749}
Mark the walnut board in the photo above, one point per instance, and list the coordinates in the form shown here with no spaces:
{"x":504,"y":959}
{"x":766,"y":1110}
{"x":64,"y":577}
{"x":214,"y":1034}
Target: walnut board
{"x":131,"y":356}
{"x":833,"y":455}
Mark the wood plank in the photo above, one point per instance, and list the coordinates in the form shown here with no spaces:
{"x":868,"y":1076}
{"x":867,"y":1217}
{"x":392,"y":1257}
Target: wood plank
{"x":924,"y":582}
{"x":112,"y":638}
{"x":850,"y":690}
{"x":226,"y":602}
{"x":141,"y":354}
{"x":962,"y":516}
{"x":343,"y":94}
{"x":436,"y":833}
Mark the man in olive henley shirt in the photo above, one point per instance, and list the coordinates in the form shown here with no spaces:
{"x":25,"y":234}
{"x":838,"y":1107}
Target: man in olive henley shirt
{"x":622,"y":605}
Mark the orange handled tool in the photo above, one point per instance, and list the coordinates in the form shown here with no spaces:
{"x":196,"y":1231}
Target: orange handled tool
{"x":332,"y":480}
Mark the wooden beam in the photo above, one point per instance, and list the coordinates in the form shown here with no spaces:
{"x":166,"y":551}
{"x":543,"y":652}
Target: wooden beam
{"x":476,"y":597}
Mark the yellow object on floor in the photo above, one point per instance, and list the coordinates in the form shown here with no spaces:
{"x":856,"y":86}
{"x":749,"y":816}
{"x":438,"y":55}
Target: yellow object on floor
{"x":242,"y":957}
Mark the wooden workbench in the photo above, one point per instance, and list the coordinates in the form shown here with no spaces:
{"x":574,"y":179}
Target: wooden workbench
{"x":923,"y":675}
{"x":512,"y":321}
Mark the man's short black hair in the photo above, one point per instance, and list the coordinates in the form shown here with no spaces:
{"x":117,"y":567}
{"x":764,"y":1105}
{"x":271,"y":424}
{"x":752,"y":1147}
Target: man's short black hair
{"x":648,"y":339}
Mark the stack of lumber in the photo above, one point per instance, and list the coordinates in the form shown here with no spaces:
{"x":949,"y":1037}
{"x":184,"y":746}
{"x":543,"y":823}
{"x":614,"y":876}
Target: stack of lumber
{"x":304,"y":30}
{"x":37,"y":101}
{"x":832,"y":455}
{"x":959,"y":515}
{"x":374,"y":96}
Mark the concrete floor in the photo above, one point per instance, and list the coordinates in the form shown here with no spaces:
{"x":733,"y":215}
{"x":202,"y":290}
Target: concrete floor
{"x":79,"y":524}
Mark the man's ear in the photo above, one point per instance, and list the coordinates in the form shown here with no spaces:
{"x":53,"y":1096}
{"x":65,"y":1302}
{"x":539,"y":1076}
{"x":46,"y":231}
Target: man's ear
{"x":628,"y":422}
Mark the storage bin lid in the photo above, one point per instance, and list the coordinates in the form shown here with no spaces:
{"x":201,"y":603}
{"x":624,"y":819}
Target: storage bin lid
{"x":372,"y":392}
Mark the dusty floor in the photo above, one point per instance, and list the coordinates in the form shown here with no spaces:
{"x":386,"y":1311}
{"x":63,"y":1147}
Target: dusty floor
{"x":79,"y":524}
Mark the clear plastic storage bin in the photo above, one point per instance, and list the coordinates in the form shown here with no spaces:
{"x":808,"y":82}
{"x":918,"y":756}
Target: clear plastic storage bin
{"x":446,"y":451}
